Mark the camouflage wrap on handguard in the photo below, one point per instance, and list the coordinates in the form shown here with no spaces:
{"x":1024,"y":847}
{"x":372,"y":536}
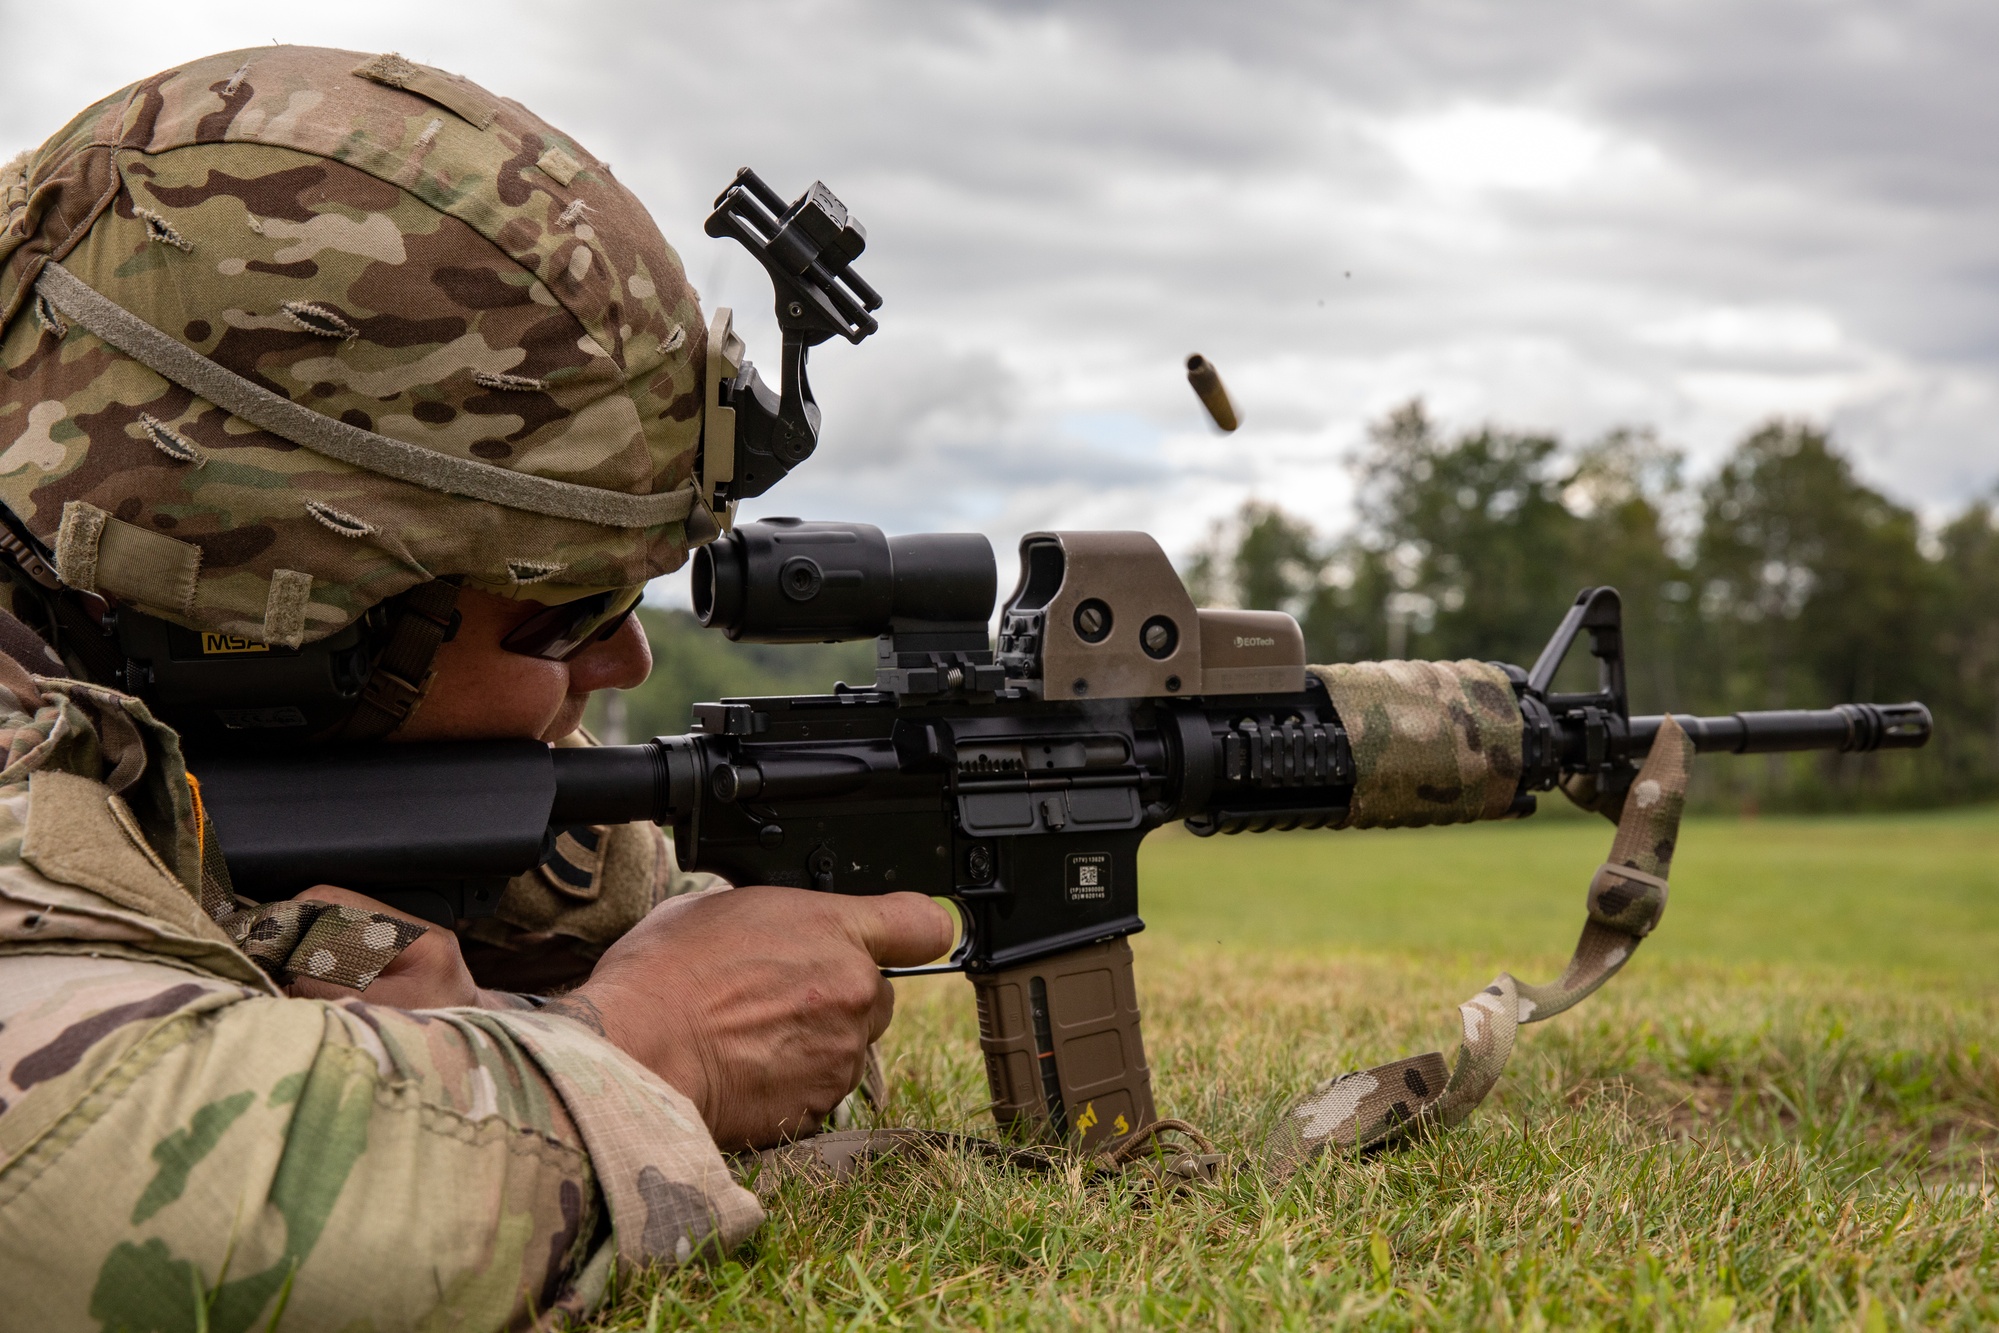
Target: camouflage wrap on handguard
{"x":1626,"y":898}
{"x":1433,"y":742}
{"x":486,"y":292}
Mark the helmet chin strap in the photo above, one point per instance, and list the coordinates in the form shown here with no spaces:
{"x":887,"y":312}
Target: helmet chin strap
{"x":402,"y":673}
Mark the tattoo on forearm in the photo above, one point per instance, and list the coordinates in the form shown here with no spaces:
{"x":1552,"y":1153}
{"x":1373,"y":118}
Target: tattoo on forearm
{"x":579,"y":1007}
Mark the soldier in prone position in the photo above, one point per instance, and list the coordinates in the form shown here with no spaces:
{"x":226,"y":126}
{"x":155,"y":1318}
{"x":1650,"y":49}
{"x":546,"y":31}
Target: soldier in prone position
{"x":342,"y":367}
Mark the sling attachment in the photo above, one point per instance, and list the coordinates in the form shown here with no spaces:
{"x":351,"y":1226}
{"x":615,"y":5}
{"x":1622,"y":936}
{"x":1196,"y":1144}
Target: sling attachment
{"x":402,"y":673}
{"x":300,"y":937}
{"x":1166,"y":1166}
{"x":78,"y":623}
{"x":1404,"y":1099}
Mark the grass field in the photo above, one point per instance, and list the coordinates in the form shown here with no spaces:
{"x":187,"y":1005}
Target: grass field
{"x":1784,"y":1113}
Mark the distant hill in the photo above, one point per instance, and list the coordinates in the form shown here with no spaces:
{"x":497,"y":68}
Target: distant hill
{"x":691,"y":664}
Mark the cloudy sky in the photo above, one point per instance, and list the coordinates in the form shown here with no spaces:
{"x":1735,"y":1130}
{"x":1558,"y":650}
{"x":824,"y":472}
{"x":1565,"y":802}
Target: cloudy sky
{"x":1685,"y":214}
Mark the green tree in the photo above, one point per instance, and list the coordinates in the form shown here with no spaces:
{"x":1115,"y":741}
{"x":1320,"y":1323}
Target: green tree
{"x":1278,"y":564}
{"x":1263,"y":559}
{"x":1474,"y":530}
{"x":1620,"y":488}
{"x":1795,"y":585}
{"x":1346,"y":619}
{"x":1470,"y":546}
{"x":1482,"y":541}
{"x":1967,"y":741}
{"x":1815,"y":589}
{"x":1816,"y":581}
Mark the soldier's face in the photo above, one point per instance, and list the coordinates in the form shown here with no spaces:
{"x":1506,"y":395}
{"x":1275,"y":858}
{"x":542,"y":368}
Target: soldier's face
{"x":483,"y":692}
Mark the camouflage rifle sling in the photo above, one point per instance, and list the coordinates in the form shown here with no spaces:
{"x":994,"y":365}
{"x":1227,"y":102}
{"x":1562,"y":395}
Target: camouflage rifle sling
{"x":1397,"y":1101}
{"x":298,"y":937}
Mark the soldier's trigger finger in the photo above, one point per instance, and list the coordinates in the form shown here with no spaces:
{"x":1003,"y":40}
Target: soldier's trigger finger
{"x":900,"y":929}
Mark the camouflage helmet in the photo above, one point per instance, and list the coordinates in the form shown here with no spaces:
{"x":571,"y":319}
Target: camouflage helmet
{"x":290,"y":331}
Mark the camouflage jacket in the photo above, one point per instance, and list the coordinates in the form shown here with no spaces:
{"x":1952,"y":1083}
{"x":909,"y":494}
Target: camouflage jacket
{"x":183,"y":1146}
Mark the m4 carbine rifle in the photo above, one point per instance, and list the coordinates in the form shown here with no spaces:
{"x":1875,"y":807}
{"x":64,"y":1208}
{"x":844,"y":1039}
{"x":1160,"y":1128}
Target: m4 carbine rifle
{"x":1018,"y":783}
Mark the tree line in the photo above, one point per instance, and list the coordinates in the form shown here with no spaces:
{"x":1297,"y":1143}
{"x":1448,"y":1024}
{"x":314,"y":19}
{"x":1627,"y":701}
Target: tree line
{"x":1782,"y":581}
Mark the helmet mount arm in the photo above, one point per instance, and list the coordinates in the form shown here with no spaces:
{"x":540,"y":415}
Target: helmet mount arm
{"x":808,"y":247}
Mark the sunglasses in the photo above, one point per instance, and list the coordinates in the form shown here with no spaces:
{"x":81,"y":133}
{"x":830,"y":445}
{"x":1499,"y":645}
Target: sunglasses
{"x":558,"y":633}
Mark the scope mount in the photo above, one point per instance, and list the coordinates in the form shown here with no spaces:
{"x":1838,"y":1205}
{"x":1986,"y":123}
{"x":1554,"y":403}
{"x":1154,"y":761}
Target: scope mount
{"x":926,"y":663}
{"x":751,"y":436}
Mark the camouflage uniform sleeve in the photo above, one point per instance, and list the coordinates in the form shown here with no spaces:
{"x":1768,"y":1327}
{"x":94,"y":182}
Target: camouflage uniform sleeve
{"x":184,"y":1128}
{"x":184,"y":1133}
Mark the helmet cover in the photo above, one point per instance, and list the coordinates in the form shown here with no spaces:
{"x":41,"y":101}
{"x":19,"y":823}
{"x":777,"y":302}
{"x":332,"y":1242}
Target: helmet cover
{"x":470,"y":350}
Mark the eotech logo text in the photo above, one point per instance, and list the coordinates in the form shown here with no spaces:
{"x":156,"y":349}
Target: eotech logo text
{"x":1250,"y":641}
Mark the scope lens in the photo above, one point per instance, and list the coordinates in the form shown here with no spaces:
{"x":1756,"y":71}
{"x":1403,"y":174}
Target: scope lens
{"x":703,"y":585}
{"x":718,"y":582}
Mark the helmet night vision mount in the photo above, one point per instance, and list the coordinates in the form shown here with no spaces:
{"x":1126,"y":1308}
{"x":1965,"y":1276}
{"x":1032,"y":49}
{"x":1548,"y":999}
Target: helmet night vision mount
{"x":752,"y":437}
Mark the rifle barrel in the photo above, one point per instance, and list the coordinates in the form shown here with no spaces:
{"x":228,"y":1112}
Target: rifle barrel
{"x":1847,"y":728}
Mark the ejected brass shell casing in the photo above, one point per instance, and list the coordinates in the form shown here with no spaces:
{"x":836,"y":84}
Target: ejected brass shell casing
{"x":1207,"y":382}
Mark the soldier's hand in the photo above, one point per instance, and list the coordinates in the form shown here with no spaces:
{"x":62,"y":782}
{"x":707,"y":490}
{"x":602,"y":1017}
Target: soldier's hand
{"x":430,"y":973}
{"x":759,"y":1003}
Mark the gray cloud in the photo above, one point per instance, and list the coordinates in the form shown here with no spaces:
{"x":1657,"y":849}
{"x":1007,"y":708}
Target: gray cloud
{"x":1684,"y":214}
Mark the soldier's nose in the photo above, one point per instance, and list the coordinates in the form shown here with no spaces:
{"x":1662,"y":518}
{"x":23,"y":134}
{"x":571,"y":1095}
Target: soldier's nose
{"x":620,"y":662}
